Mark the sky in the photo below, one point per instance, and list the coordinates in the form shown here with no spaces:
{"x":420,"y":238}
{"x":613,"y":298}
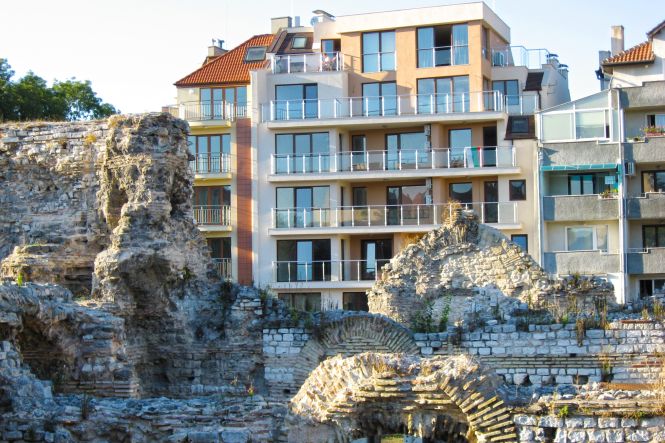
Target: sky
{"x":134,"y":50}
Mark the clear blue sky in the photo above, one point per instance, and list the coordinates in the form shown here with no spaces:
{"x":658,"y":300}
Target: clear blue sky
{"x":134,"y":50}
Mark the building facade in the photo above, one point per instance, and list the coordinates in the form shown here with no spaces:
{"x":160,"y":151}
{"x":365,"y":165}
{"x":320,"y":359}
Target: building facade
{"x":602,"y":174}
{"x":368,"y":129}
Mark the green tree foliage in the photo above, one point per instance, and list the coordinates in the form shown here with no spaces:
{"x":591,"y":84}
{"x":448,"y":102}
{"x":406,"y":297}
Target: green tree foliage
{"x":30,"y":98}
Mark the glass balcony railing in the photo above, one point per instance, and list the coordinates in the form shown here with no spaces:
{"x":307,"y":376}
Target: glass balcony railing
{"x":314,"y":62}
{"x":327,"y":270}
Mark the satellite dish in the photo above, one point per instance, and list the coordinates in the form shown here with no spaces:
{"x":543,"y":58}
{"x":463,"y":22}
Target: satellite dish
{"x":314,"y":21}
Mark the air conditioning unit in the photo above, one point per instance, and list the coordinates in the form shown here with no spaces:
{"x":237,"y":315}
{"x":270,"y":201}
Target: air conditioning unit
{"x":630,"y":168}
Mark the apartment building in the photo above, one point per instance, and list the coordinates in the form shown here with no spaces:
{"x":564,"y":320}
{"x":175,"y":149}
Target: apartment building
{"x":602,"y":174}
{"x":214,"y":100}
{"x":366,"y":127}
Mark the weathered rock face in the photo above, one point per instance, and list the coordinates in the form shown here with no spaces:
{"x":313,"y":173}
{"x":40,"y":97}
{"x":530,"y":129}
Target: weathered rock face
{"x":449,"y":261}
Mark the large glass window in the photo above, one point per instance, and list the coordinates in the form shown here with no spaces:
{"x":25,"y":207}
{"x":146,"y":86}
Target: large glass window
{"x":443,"y":46}
{"x":590,"y":183}
{"x":223,"y":103}
{"x":211,"y":152}
{"x":653,"y":181}
{"x":302,"y":301}
{"x":653,"y":236}
{"x":652,"y":287}
{"x":375,"y":254}
{"x":444,"y":94}
{"x":303,"y":260}
{"x":461,"y":192}
{"x":220,"y":247}
{"x":296,"y":101}
{"x":459,"y":141}
{"x":510,"y":89}
{"x":380,"y":98}
{"x":212,"y":195}
{"x":302,"y":207}
{"x":379,"y":51}
{"x":405,"y":204}
{"x":405,"y":149}
{"x":297,"y":153}
{"x":586,"y":238}
{"x":355,"y":301}
{"x":656,"y":120}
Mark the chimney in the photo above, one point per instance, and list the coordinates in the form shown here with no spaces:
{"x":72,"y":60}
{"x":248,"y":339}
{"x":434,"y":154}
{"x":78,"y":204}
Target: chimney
{"x":296,"y":21}
{"x":217,"y":48}
{"x":617,"y":39}
{"x":277,"y":23}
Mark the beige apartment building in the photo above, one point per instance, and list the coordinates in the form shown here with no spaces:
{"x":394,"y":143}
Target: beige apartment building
{"x":366,"y":127}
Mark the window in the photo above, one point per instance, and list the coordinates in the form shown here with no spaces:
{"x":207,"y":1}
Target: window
{"x":402,"y":149}
{"x":653,"y":236}
{"x":211,"y":152}
{"x":298,"y":153}
{"x":652,"y":287}
{"x":359,"y":197}
{"x":444,"y":94}
{"x":405,"y":205}
{"x":459,"y":141}
{"x":486,"y":43}
{"x":212,"y":195}
{"x":586,"y":238}
{"x":303,"y":260}
{"x":517,"y":190}
{"x":443,"y":46}
{"x":220,"y":247}
{"x":355,"y":301}
{"x":510,"y":89}
{"x":302,"y":207}
{"x":220,"y":103}
{"x":375,"y":254}
{"x":296,"y":101}
{"x":302,"y":301}
{"x":519,"y":125}
{"x":656,"y":120}
{"x":653,"y":181}
{"x":461,"y":192}
{"x":521,"y":240}
{"x":331,"y":47}
{"x":380,"y":98}
{"x":299,"y":42}
{"x":255,"y":54}
{"x":379,"y":51}
{"x":585,"y":184}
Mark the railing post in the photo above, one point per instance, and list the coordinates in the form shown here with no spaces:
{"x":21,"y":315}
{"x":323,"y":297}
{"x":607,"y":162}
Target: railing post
{"x":401,"y":215}
{"x":319,"y":157}
{"x":303,"y":109}
{"x":385,"y":216}
{"x":383,"y":155}
{"x":482,"y":212}
{"x":481,"y":155}
{"x":431,"y":104}
{"x":383,"y":106}
{"x":288,"y":64}
{"x":350,"y":107}
{"x":398,"y":99}
{"x":318,"y":108}
{"x":418,"y":215}
{"x":399,"y":159}
{"x":272,"y":110}
{"x":416,"y":159}
{"x":288,"y":113}
{"x":434,"y":215}
{"x":353,"y":216}
{"x":366,"y":155}
{"x":448,"y":158}
{"x":288,"y":164}
{"x":303,"y":163}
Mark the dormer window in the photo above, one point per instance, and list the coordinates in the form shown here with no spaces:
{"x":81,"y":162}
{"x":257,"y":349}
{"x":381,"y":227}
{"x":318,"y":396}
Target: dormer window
{"x":298,"y":42}
{"x":255,"y":54}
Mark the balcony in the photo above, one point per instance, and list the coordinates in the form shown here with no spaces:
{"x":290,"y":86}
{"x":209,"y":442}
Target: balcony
{"x":385,"y":218}
{"x":211,"y":166}
{"x":521,"y":56}
{"x":652,"y":205}
{"x":521,"y":104}
{"x":646,"y":261}
{"x":208,"y":112}
{"x":212,"y":218}
{"x":306,"y":63}
{"x":581,"y":262}
{"x":579,"y":208}
{"x":223,"y":268}
{"x":443,"y":56}
{"x":652,"y":150}
{"x":407,"y":162}
{"x":384,"y":107}
{"x":328,"y":271}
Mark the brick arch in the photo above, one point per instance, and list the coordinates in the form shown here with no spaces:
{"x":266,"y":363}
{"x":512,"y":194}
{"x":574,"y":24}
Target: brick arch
{"x":351,"y":335}
{"x":344,"y":397}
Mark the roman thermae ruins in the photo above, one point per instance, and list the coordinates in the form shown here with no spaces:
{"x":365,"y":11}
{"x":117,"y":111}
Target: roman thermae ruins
{"x":115,"y":327}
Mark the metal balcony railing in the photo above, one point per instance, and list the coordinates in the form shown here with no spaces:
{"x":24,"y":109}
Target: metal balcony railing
{"x":313,"y":62}
{"x":389,"y":215}
{"x":211,"y":164}
{"x":208,"y":111}
{"x":521,"y":56}
{"x":383,"y":106}
{"x":327,"y":270}
{"x":223,"y":268}
{"x":375,"y":160}
{"x":212,"y":215}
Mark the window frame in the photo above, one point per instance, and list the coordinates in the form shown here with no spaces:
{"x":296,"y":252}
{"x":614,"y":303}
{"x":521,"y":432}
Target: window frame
{"x":656,"y":236}
{"x":511,"y":196}
{"x":450,"y":47}
{"x":526,"y":240}
{"x":299,"y":38}
{"x":246,"y":58}
{"x":651,"y":171}
{"x":380,"y":50}
{"x":594,"y":238}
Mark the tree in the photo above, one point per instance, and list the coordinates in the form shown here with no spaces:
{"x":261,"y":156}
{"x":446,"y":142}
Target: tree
{"x":30,"y":98}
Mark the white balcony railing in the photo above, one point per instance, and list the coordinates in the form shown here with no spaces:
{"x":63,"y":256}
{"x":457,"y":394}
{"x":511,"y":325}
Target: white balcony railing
{"x":212,"y":215}
{"x":211,"y":164}
{"x":389,"y":215}
{"x":520,"y":56}
{"x":208,"y":111}
{"x":223,"y":268}
{"x":313,"y":62}
{"x":327,"y":270}
{"x":383,"y":106}
{"x":405,"y":159}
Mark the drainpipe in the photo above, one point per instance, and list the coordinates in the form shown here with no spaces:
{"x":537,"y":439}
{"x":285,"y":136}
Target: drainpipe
{"x":623,"y":234}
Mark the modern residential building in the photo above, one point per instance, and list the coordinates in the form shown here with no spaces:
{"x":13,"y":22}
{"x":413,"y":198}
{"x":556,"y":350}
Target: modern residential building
{"x":366,"y":127}
{"x":602,"y":174}
{"x":214,"y":100}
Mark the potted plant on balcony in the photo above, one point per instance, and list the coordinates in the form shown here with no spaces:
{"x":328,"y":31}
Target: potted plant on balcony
{"x":609,"y":193}
{"x":654,"y":131}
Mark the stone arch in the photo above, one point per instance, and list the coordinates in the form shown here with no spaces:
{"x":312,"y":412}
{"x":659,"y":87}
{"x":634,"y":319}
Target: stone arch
{"x":351,"y":335}
{"x":344,"y":397}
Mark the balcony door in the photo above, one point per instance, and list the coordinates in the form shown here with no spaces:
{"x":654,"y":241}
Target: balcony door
{"x":460,"y":144}
{"x":491,"y":202}
{"x":379,"y":99}
{"x":294,"y":102}
{"x":302,"y":207}
{"x":406,"y":205}
{"x":303,"y":260}
{"x":401,"y":150}
{"x":374,"y":253}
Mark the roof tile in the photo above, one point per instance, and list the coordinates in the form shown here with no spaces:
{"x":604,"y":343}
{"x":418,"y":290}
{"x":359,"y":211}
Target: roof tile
{"x":641,"y":53}
{"x":230,"y":67}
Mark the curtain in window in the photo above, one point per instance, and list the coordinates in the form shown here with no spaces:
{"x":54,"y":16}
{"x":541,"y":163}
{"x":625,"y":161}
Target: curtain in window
{"x":460,"y":45}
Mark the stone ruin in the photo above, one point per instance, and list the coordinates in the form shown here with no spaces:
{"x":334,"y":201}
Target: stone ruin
{"x":114,"y":326}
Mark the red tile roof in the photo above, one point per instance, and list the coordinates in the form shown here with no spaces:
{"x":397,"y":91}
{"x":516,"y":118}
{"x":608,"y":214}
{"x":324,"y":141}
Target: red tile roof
{"x":641,"y":53}
{"x":230,"y":67}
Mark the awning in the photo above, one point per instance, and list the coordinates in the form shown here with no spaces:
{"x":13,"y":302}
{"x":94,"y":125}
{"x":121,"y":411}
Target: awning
{"x":589,"y":167}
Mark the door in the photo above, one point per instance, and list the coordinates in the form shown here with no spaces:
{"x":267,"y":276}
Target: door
{"x":491,"y":199}
{"x":489,"y":146}
{"x":375,"y":254}
{"x":460,"y":142}
{"x":393,"y":202}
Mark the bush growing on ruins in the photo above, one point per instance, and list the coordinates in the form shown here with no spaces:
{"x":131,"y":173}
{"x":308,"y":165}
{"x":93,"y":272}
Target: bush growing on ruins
{"x":563,"y":412}
{"x":580,"y":329}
